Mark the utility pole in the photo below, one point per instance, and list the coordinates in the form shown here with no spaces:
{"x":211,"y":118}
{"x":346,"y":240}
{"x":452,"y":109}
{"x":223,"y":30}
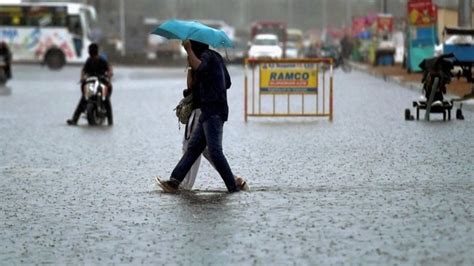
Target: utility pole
{"x":325,"y":17}
{"x":122,"y":26}
{"x":383,"y":6}
{"x":242,"y":13}
{"x":289,"y":9}
{"x":348,"y":14}
{"x":465,"y":13}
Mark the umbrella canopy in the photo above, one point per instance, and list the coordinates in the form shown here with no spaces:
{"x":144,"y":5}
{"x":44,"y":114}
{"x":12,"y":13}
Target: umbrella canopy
{"x":193,"y":30}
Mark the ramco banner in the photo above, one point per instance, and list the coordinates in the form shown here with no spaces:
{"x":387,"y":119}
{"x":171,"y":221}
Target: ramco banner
{"x":288,"y":78}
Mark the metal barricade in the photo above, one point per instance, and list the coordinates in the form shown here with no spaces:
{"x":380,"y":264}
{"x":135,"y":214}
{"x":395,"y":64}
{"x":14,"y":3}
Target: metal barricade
{"x":289,"y":79}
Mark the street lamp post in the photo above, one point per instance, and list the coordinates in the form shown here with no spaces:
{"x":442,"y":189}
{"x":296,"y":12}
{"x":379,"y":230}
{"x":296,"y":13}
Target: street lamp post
{"x":122,"y":26}
{"x":465,"y":13}
{"x":290,"y":11}
{"x":325,"y":18}
{"x":383,"y":6}
{"x":348,"y":14}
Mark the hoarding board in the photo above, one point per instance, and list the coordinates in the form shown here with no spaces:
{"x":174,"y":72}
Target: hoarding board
{"x":288,"y":78}
{"x":422,"y":13}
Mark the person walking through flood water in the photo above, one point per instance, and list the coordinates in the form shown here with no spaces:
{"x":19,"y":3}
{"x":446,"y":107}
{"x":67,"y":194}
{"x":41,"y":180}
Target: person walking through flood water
{"x":212,"y":82}
{"x":191,"y":125}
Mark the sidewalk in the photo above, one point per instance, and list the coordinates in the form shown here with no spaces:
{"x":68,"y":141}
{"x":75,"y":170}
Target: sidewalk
{"x":397,"y":74}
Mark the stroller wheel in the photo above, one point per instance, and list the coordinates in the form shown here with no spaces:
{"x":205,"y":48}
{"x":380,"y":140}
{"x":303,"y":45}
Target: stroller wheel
{"x":408,"y":115}
{"x":459,"y":114}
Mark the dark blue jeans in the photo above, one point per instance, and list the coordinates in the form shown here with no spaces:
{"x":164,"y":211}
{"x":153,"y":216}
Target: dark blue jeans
{"x":208,"y":133}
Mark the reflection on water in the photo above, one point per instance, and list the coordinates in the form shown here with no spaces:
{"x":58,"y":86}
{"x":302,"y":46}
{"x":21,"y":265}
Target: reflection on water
{"x":204,"y":197}
{"x":97,"y":128}
{"x":5,"y":91}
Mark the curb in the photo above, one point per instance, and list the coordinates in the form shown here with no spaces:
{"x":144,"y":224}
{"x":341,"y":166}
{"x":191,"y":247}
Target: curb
{"x":468,"y":104}
{"x":391,"y":79}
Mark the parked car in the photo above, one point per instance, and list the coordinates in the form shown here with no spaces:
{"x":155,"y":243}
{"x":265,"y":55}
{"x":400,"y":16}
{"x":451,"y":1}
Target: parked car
{"x":265,"y":46}
{"x":294,"y":43}
{"x":292,"y":50}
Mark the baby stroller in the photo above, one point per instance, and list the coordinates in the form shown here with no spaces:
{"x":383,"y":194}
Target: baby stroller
{"x":436,"y":75}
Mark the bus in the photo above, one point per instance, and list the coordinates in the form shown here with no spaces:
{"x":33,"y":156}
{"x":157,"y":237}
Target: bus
{"x":50,"y":33}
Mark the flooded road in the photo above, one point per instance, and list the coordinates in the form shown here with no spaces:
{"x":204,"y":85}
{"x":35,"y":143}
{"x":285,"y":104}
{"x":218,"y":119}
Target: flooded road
{"x":368,"y":188}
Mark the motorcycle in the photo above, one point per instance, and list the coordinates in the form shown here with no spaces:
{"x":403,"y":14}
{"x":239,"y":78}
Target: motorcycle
{"x":338,"y":59}
{"x":96,"y":112}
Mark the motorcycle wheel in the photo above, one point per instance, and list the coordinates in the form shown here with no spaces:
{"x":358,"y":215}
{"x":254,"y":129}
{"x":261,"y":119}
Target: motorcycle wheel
{"x":3,"y":77}
{"x":346,"y":67}
{"x":407,"y":114}
{"x":459,"y":114}
{"x":93,"y":116}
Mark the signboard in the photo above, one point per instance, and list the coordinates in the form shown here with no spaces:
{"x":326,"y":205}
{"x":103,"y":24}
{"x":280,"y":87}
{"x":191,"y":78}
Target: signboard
{"x":358,"y":26}
{"x":384,"y":23}
{"x":288,"y":78}
{"x":422,"y":13}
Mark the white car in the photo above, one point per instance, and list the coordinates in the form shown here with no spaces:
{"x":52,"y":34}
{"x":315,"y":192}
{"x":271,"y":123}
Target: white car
{"x":292,"y":50}
{"x":265,"y":46}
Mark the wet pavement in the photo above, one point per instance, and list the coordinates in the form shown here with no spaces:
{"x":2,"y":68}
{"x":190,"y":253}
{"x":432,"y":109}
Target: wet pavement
{"x":368,"y":188}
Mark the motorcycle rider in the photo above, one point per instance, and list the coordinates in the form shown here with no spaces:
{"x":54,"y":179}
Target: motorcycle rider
{"x":5,"y":51}
{"x":95,"y":66}
{"x":346,"y":46}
